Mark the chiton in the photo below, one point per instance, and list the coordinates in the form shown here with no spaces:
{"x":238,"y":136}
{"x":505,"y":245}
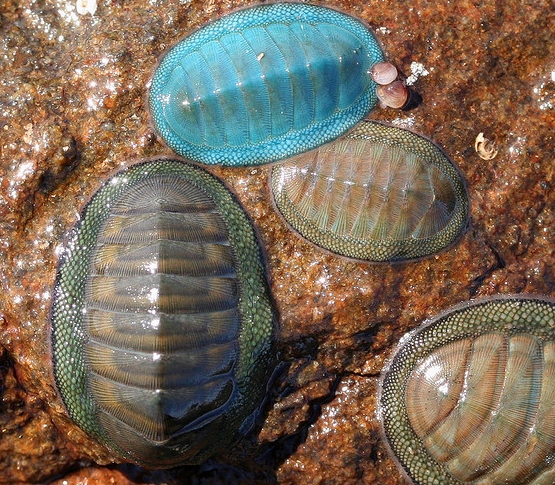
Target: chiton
{"x":162,"y":322}
{"x":264,"y":83}
{"x":379,"y":194}
{"x":469,"y":398}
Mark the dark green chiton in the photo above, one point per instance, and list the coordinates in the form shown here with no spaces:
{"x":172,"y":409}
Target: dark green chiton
{"x":162,"y":324}
{"x":469,"y":398}
{"x":379,"y":194}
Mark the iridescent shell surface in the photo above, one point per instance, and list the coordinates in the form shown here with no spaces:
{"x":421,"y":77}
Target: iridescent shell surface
{"x":162,"y":325}
{"x":379,"y":194}
{"x":469,"y":398}
{"x":264,"y":83}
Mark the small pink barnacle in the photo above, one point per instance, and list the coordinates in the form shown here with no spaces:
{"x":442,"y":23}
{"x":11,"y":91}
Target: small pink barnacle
{"x":393,"y":95}
{"x":383,"y":73}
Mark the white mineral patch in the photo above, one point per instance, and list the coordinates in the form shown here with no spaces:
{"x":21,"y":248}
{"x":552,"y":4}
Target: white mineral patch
{"x":84,"y":7}
{"x":417,"y":69}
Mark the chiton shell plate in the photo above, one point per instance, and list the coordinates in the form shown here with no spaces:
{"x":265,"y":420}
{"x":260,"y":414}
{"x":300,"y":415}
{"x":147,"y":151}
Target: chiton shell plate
{"x":264,"y":83}
{"x":162,"y":325}
{"x":379,"y":193}
{"x":469,"y":398}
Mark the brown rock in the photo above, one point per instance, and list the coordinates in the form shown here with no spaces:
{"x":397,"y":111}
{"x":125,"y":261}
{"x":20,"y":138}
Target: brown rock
{"x":72,"y":104}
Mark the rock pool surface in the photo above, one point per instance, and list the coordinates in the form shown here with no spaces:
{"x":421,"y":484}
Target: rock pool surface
{"x":73,"y":111}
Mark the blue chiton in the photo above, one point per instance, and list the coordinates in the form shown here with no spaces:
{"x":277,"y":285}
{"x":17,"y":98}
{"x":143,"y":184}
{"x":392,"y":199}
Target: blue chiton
{"x":378,"y":194}
{"x":469,"y":398}
{"x":162,"y":325}
{"x":264,"y":83}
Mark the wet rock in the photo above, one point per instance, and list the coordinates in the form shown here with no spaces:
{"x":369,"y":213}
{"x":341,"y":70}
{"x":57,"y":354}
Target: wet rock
{"x":73,"y":111}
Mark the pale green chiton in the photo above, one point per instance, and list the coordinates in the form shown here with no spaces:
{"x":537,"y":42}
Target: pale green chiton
{"x":469,"y":398}
{"x":379,"y":194}
{"x":162,"y":324}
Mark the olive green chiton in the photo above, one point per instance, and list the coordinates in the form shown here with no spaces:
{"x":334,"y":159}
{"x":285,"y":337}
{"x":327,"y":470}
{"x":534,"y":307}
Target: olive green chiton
{"x":380,"y":194}
{"x":469,"y":398}
{"x":162,"y":324}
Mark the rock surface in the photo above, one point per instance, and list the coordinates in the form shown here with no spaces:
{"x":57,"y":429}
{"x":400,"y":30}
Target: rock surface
{"x":72,"y":111}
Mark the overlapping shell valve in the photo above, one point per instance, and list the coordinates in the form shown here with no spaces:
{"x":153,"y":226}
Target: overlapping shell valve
{"x":163,"y":326}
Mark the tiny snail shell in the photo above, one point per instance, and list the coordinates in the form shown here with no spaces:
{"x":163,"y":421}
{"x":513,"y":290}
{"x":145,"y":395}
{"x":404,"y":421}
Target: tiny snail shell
{"x":384,"y":73}
{"x":162,"y":325}
{"x":485,"y":148}
{"x":393,"y":95}
{"x":264,"y":83}
{"x":469,"y":397}
{"x":378,"y":194}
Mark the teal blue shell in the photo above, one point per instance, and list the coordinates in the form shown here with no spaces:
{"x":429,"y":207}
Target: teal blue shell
{"x":264,"y":83}
{"x":162,"y":324}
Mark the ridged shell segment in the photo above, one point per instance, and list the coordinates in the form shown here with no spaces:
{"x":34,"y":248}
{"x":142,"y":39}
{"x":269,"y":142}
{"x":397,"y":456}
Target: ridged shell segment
{"x":379,"y":194}
{"x":264,"y":83}
{"x":469,"y":398}
{"x":162,"y":324}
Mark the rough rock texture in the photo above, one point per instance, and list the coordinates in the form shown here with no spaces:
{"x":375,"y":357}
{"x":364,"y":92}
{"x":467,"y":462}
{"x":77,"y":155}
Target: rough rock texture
{"x":72,"y":110}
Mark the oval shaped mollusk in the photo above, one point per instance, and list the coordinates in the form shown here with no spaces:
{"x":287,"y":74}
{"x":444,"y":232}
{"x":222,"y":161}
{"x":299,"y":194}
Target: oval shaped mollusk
{"x":378,"y":194}
{"x":469,"y":398}
{"x":162,"y":325}
{"x":264,"y":83}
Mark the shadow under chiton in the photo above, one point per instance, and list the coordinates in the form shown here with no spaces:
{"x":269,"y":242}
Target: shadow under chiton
{"x":469,"y":398}
{"x":162,"y":325}
{"x":264,"y":83}
{"x":379,"y":194}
